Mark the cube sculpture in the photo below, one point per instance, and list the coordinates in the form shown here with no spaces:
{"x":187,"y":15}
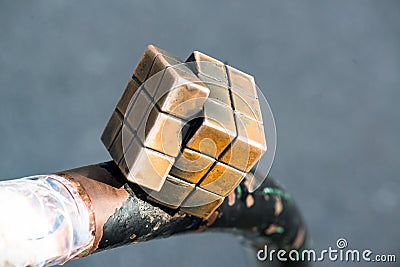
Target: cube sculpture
{"x":188,"y":133}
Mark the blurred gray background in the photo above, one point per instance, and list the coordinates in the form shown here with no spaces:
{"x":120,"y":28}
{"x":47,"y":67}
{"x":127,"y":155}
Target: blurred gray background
{"x":330,"y":70}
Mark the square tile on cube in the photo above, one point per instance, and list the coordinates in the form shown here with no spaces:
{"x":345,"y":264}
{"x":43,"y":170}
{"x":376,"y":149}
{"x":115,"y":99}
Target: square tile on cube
{"x":180,"y":93}
{"x":216,"y":131}
{"x":242,"y":81}
{"x":145,"y":64}
{"x":113,"y":126}
{"x":127,"y":97}
{"x":202,"y":203}
{"x":222,"y":179}
{"x":162,"y":132}
{"x":138,"y":110}
{"x":249,"y":146}
{"x":191,"y":165}
{"x":208,"y":66}
{"x":146,"y":167}
{"x":173,"y":192}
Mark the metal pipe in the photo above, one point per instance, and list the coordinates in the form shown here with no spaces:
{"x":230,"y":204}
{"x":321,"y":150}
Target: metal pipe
{"x":120,"y":214}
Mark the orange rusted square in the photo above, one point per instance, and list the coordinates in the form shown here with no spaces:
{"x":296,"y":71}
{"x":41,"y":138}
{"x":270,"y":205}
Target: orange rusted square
{"x":147,"y":167}
{"x":248,"y":147}
{"x":149,"y":57}
{"x":222,"y":179}
{"x":202,"y":64}
{"x":242,"y":81}
{"x":216,"y":131}
{"x":219,"y":93}
{"x":139,"y":108}
{"x":191,"y":165}
{"x":162,"y":132}
{"x":173,"y":192}
{"x":202,"y":203}
{"x":180,"y":93}
{"x":246,"y":105}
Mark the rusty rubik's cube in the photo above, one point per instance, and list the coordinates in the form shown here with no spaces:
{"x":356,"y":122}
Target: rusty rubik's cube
{"x":188,"y":132}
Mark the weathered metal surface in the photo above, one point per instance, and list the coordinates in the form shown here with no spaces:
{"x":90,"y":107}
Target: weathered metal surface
{"x":129,"y":92}
{"x":123,"y":214}
{"x":216,"y":132}
{"x":199,"y":122}
{"x":113,"y":126}
{"x":249,"y":145}
{"x":147,"y":167}
{"x":208,"y":66}
{"x":162,"y":132}
{"x":191,"y":165}
{"x":180,"y":93}
{"x":173,"y":192}
{"x":222,"y":179}
{"x":138,"y":110}
{"x":145,"y":65}
{"x":201,"y":203}
{"x":242,"y":81}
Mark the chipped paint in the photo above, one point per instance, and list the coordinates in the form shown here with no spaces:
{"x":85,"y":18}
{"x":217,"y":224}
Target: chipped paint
{"x":127,"y":212}
{"x":249,"y":201}
{"x":278,"y":206}
{"x":232,"y":199}
{"x":274,"y":229}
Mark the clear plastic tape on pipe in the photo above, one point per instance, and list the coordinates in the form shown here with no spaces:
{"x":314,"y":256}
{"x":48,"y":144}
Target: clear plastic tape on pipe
{"x":44,"y":221}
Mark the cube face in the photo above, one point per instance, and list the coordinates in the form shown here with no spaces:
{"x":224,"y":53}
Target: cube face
{"x":247,"y":105}
{"x":162,"y":61}
{"x":116,"y":150}
{"x":138,"y":110}
{"x":217,"y":131}
{"x":147,"y":167}
{"x":189,"y":134}
{"x":173,"y":192}
{"x":145,"y":65}
{"x":220,"y":94}
{"x":241,"y":81}
{"x":113,"y":127}
{"x":180,"y":94}
{"x":191,"y":166}
{"x":162,"y":132}
{"x":205,"y":65}
{"x":247,"y":149}
{"x":202,"y":203}
{"x":222,"y":179}
{"x":130,"y":91}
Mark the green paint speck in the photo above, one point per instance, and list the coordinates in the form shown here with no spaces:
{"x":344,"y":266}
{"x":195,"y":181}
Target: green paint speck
{"x":239,"y":190}
{"x":276,"y":191}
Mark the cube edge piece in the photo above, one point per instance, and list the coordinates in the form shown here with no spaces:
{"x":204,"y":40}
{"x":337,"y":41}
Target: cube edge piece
{"x":138,"y":177}
{"x":176,"y":182}
{"x":213,"y":183}
{"x":197,"y":56}
{"x":210,"y":207}
{"x":110,"y":132}
{"x":145,"y":64}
